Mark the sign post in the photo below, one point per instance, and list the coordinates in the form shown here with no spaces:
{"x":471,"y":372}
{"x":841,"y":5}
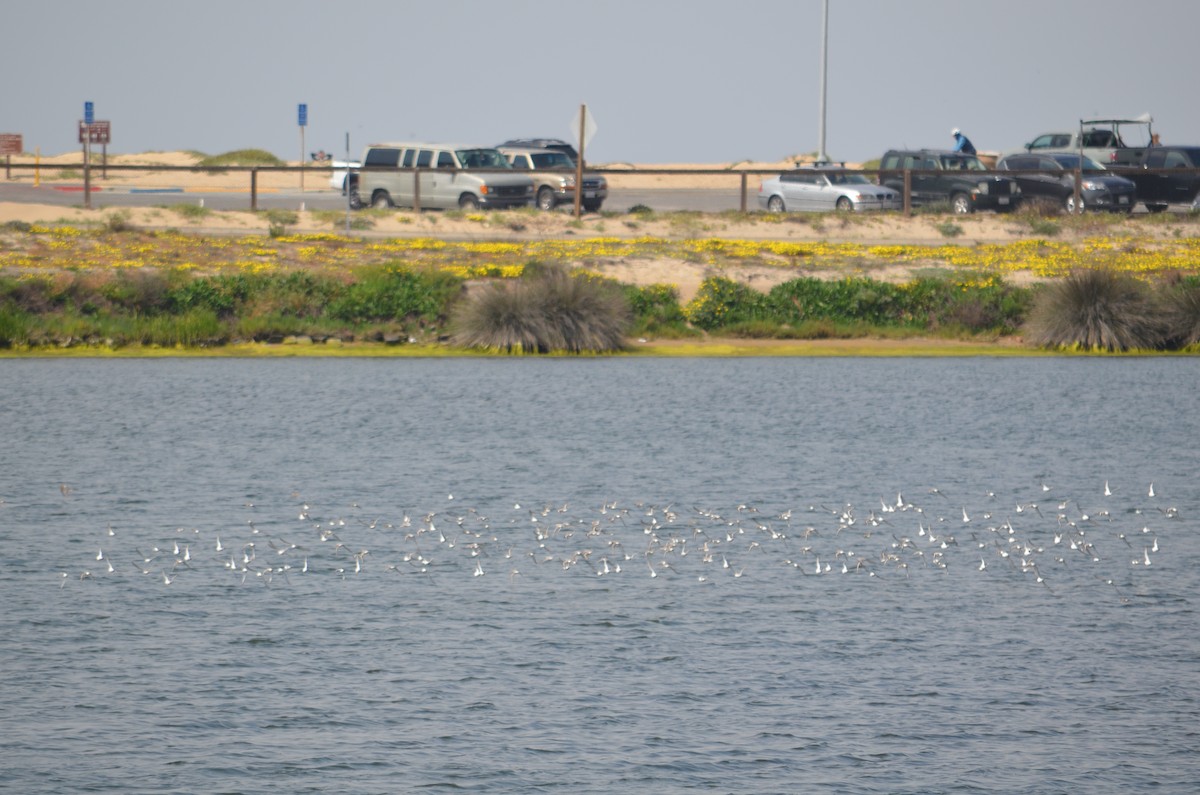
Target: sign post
{"x":302,"y":118}
{"x":89,"y":116}
{"x":94,"y":132}
{"x":10,"y":144}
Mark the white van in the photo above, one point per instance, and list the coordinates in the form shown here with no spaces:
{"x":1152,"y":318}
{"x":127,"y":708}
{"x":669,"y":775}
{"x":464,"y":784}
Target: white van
{"x":442,"y":176}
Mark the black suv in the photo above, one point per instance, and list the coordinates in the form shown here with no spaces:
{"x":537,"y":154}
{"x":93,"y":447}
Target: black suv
{"x":542,"y":143}
{"x":950,"y":177}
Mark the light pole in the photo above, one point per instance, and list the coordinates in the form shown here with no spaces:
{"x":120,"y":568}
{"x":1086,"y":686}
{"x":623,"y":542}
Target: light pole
{"x":822,"y":157}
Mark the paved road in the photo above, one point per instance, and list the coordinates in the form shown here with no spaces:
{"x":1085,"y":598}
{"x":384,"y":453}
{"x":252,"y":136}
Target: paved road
{"x":109,"y":195}
{"x":660,"y":199}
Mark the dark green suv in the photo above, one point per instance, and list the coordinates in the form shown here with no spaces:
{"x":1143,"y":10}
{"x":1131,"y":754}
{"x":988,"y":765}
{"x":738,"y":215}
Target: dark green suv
{"x":939,"y":175}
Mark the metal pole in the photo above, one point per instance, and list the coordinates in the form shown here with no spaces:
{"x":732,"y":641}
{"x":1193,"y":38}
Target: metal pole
{"x":302,"y":160}
{"x":254,"y":189}
{"x":821,"y":156}
{"x":579,"y":163}
{"x":346,"y":182}
{"x":87,"y":168}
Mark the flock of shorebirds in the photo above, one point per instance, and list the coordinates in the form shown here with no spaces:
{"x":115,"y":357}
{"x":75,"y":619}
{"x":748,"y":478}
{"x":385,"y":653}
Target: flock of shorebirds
{"x":1044,"y":540}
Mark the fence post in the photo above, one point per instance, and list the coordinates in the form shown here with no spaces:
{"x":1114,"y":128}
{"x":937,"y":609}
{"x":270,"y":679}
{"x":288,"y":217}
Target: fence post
{"x":416,"y":190}
{"x":743,"y":191}
{"x":907,"y":192}
{"x":254,"y":189}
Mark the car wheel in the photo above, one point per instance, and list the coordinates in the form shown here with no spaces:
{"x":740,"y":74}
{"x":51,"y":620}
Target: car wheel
{"x":356,"y":202}
{"x":545,"y":199}
{"x":775,"y":204}
{"x":592,"y":207}
{"x":381,"y":200}
{"x":844,"y":203}
{"x":468,"y":202}
{"x":1069,"y":204}
{"x":961,"y":204}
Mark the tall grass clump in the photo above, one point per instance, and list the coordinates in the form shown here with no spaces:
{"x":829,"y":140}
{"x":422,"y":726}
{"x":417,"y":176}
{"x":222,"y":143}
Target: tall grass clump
{"x":549,"y":309}
{"x":1095,"y":310}
{"x":1179,"y":304}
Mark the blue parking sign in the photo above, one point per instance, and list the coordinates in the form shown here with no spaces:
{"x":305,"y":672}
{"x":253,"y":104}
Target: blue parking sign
{"x":303,"y":113}
{"x":89,"y":113}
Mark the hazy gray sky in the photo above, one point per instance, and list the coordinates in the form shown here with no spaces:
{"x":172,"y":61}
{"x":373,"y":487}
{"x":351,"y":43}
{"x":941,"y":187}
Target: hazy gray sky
{"x":665,"y":80}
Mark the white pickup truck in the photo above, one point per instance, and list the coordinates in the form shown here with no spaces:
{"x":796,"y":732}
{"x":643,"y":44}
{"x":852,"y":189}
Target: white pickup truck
{"x":1100,"y":139}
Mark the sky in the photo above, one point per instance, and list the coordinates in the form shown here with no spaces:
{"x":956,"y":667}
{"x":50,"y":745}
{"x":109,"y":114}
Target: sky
{"x":664,"y":81}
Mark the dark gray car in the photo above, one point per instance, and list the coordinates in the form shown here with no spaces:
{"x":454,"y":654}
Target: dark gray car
{"x":1055,"y":181}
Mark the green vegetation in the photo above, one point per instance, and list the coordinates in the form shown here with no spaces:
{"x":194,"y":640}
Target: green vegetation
{"x":949,"y":229}
{"x":181,"y":308}
{"x":855,"y":306}
{"x":550,"y":308}
{"x":241,"y":157}
{"x":192,"y":212}
{"x":279,"y":220}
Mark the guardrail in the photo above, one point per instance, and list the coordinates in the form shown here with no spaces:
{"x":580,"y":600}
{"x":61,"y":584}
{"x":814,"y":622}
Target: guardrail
{"x":741,"y":176}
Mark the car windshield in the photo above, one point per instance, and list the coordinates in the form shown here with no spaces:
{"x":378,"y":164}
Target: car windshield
{"x":961,"y":163}
{"x":1071,"y":161}
{"x":481,"y":158}
{"x":842,"y":178}
{"x":550,"y":160}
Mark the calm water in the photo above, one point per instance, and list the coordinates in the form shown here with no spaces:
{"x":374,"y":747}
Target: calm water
{"x":754,"y":575}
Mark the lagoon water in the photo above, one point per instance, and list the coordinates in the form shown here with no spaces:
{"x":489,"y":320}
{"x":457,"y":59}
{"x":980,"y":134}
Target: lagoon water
{"x":600,"y":576}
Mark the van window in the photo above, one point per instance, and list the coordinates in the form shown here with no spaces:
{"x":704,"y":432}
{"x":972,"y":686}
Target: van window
{"x":409,"y":154}
{"x":382,"y":157}
{"x":445,"y":160}
{"x":424,"y":158}
{"x":482,"y":158}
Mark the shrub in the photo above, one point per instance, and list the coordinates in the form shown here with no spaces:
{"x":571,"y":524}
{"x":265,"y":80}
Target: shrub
{"x":395,"y":294}
{"x":949,"y":229}
{"x":548,"y":309}
{"x":1179,"y":304}
{"x":192,"y":212}
{"x":241,"y":157}
{"x":723,"y":302}
{"x":1095,"y":310}
{"x":279,"y":220}
{"x":655,"y":308}
{"x":118,"y":221}
{"x":14,"y":326}
{"x":221,"y":294}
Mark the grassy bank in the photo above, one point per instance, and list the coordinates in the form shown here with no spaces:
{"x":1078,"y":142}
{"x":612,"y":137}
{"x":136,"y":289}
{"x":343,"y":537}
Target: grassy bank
{"x":112,"y":288}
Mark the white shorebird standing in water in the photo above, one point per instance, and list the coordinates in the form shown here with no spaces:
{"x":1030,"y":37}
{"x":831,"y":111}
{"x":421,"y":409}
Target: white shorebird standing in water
{"x":1151,"y":494}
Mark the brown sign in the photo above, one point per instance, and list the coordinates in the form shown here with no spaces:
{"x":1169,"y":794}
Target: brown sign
{"x":10,"y":144}
{"x":98,"y":132}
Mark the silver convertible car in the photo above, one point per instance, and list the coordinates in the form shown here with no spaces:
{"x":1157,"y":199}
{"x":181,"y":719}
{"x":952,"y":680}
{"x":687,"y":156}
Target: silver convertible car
{"x":818,"y":189}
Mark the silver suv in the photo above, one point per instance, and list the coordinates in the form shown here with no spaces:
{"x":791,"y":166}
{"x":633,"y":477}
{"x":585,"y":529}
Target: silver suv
{"x":442,"y":176}
{"x":553,"y":173}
